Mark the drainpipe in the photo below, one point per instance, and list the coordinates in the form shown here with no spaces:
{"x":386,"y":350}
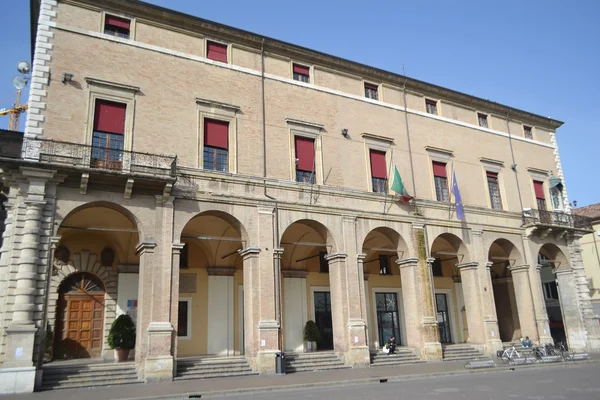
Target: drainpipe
{"x":276,"y":244}
{"x":410,"y":155}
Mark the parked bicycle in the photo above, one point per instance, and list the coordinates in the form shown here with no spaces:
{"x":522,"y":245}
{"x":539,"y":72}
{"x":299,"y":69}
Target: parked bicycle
{"x":509,"y":354}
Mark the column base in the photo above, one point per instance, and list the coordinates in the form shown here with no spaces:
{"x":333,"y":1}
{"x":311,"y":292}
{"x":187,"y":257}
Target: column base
{"x":358,"y":357}
{"x":432,"y":351}
{"x":264,"y":362}
{"x":158,"y":369}
{"x":492,"y":346}
{"x":17,"y":380}
{"x":19,"y":347}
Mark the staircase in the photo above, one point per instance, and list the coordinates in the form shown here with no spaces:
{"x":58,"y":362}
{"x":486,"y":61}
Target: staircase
{"x":57,"y":376}
{"x":212,"y":367}
{"x":402,"y":355}
{"x":461,"y":352}
{"x":317,"y":361}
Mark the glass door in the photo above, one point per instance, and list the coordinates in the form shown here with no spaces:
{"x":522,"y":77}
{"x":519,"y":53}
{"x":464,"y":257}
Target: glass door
{"x":443,"y":318}
{"x":323,"y":320}
{"x":387,"y":317}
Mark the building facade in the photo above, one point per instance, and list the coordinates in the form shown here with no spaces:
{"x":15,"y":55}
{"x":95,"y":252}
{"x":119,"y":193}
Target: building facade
{"x":590,"y":245}
{"x":224,"y":188}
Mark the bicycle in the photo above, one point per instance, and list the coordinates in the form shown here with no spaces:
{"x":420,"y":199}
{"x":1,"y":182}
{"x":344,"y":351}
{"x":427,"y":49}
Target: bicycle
{"x":509,"y":354}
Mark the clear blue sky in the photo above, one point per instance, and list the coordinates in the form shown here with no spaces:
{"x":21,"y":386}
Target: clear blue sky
{"x":542,"y":56}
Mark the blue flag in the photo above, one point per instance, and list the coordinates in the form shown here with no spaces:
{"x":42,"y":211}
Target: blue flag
{"x":460,"y":212}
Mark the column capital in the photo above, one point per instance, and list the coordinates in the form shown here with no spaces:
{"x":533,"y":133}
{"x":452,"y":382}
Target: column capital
{"x":361,"y":257}
{"x":278,"y":252}
{"x":249,"y":252}
{"x":563,"y":271}
{"x":349,"y":218}
{"x":54,"y":241}
{"x":37,"y":173}
{"x":418,"y":225}
{"x":476,"y":231}
{"x":145,"y":246}
{"x":488,"y":265}
{"x":407,"y":262}
{"x":518,"y":268}
{"x":177,"y":247}
{"x":430,"y":260}
{"x":336,"y":257}
{"x":266,"y":210}
{"x":34,"y":203}
{"x":467,"y":266}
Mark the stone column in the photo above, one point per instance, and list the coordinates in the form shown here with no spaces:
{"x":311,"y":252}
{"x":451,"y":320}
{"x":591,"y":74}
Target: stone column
{"x":524,"y":297}
{"x":541,"y":314}
{"x":485,"y":292}
{"x":412,"y":305}
{"x":364,"y":293}
{"x":176,"y":249}
{"x":470,"y":284}
{"x":431,"y":347}
{"x":590,"y":319}
{"x":571,"y":312}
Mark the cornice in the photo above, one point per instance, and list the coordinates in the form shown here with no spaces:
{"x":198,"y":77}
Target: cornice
{"x":188,"y":22}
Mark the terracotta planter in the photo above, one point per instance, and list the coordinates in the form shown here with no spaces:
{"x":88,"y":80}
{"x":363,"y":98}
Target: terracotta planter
{"x":121,"y":354}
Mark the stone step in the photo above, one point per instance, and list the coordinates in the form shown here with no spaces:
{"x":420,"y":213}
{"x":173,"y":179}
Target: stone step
{"x":87,"y":373}
{"x":207,"y":369}
{"x":212,"y":364}
{"x":321,"y":368}
{"x":316,"y":354}
{"x":396,"y":362}
{"x":220,"y":374}
{"x":48,"y":370}
{"x":92,"y":383}
{"x":312,"y":361}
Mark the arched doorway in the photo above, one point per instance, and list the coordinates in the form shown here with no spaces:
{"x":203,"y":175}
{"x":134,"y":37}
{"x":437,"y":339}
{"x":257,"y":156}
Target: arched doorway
{"x":448,"y":251}
{"x":80,"y":317}
{"x":96,"y":239}
{"x":551,"y":259}
{"x":382,"y":247}
{"x":211,"y":301}
{"x":503,"y":255}
{"x":306,"y":291}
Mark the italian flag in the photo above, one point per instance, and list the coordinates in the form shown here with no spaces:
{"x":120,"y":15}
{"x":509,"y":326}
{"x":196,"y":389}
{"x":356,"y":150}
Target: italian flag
{"x":398,"y":186}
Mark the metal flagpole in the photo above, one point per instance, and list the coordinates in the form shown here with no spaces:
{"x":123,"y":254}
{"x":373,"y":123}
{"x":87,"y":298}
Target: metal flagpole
{"x":387,"y":183}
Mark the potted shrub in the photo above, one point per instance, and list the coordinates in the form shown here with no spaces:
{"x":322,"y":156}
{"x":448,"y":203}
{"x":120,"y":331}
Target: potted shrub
{"x":122,"y":336}
{"x":311,"y":336}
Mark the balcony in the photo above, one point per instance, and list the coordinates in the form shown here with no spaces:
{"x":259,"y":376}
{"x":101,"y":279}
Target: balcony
{"x":555,"y":220}
{"x":86,"y":163}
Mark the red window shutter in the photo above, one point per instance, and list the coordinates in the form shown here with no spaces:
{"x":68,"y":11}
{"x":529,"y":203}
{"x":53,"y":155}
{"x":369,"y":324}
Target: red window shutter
{"x":117,"y":22}
{"x":109,"y":117}
{"x":370,"y":86}
{"x":439,"y":169}
{"x":378,"y":169}
{"x":216,"y":133}
{"x":492,"y":174}
{"x":305,"y":153}
{"x":301,"y":69}
{"x":539,"y":189}
{"x":217,"y":52}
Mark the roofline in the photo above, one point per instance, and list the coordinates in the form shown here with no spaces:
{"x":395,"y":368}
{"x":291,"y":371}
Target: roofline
{"x":143,"y":10}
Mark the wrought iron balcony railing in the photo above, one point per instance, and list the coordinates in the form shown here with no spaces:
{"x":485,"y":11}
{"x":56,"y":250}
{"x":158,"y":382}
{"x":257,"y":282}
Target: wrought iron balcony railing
{"x":96,"y":158}
{"x":557,"y":219}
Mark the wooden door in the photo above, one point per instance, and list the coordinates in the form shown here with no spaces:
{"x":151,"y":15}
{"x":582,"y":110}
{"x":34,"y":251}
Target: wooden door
{"x":80,"y":321}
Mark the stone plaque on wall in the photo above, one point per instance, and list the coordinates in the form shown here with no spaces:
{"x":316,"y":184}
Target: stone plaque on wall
{"x":187,"y":283}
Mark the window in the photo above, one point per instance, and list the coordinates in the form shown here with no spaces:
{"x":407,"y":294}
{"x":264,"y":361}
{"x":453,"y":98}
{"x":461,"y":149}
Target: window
{"x":441,"y":181}
{"x":371,"y":91}
{"x":107,"y":138}
{"x":483,"y":121}
{"x":528,"y":132}
{"x":494,"y":189}
{"x":305,"y":159}
{"x":550,"y":291}
{"x":384,"y":265}
{"x":184,"y":319}
{"x":431,"y":106}
{"x":557,"y":199}
{"x":116,"y":26}
{"x":216,"y":145}
{"x":323,"y":263}
{"x":216,"y":51}
{"x":538,"y":188}
{"x":378,"y":171}
{"x":436,"y":267}
{"x":301,"y":73}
